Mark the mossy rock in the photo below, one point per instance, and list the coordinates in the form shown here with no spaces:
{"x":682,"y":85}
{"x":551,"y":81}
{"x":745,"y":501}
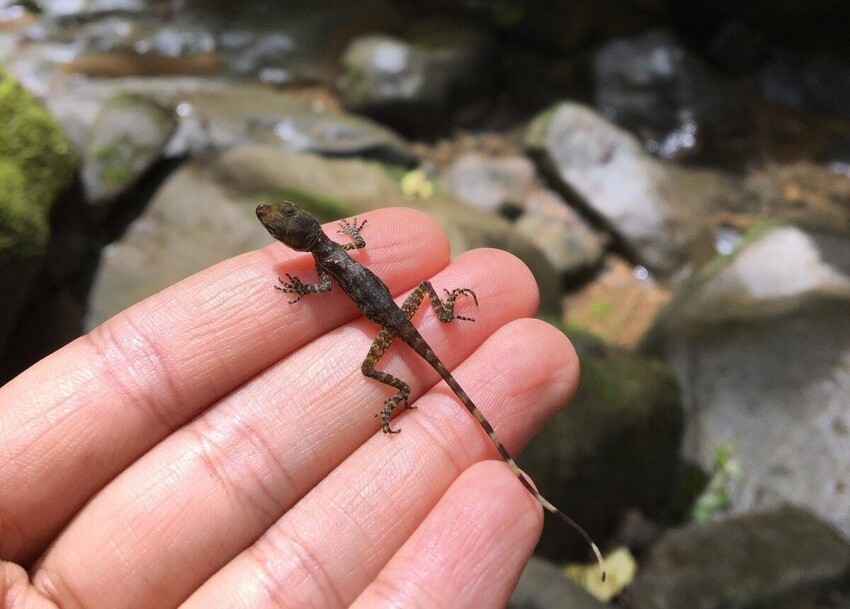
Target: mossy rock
{"x":37,"y":163}
{"x":613,"y":448}
{"x":126,"y":139}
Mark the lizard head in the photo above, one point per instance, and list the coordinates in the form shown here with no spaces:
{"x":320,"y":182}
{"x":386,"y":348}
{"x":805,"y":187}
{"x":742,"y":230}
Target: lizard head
{"x":290,"y":225}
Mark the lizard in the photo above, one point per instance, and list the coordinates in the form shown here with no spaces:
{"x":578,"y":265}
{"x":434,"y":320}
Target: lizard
{"x":302,"y":232}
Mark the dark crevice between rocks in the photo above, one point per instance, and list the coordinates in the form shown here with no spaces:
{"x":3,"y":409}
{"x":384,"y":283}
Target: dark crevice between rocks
{"x":53,"y":315}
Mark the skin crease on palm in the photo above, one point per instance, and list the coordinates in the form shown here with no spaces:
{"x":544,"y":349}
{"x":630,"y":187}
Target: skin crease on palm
{"x":214,"y":447}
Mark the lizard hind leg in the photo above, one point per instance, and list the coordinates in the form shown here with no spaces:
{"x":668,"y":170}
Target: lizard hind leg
{"x":379,"y":347}
{"x":445,"y":310}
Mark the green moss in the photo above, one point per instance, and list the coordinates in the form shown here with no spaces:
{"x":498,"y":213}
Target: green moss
{"x":598,"y":376}
{"x":614,"y":377}
{"x":154,"y":109}
{"x":116,"y":174}
{"x":36,"y":164}
{"x":118,"y":161}
{"x":323,"y":207}
{"x":14,"y":221}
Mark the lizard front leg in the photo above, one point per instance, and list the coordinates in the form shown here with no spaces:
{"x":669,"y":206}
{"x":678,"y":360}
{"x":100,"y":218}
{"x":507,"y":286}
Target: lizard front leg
{"x":445,"y":310}
{"x":296,"y":286}
{"x":352,"y":230}
{"x":376,"y":351}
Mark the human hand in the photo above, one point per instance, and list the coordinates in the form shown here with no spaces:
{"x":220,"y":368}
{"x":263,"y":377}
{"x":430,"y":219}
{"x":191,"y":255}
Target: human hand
{"x":216,"y":447}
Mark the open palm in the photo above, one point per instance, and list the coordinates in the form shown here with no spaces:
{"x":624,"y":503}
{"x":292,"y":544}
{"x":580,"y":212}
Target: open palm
{"x":213,"y":446}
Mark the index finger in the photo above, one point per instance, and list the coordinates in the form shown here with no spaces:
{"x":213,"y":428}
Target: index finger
{"x":73,"y":421}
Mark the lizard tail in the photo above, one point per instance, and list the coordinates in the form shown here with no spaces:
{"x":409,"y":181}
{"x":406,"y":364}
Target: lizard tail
{"x":479,"y":416}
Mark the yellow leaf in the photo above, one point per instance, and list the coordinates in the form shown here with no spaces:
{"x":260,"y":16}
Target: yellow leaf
{"x":620,"y":567}
{"x":416,"y":185}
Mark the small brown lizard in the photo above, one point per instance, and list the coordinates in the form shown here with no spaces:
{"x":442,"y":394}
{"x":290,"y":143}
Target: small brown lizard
{"x":302,"y":232}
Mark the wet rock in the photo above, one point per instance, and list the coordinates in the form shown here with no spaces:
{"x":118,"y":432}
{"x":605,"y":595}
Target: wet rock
{"x":115,"y":46}
{"x":654,"y":86}
{"x":433,"y":76}
{"x":275,"y":43}
{"x":102,"y":39}
{"x":543,"y":586}
{"x":127,"y":138}
{"x":655,"y":210}
{"x":335,"y":134}
{"x":37,"y":164}
{"x":615,"y":447}
{"x":760,"y":341}
{"x":154,"y":36}
{"x":236,"y":115}
{"x":184,"y":34}
{"x":567,"y":241}
{"x":216,"y":114}
{"x":490,"y":184}
{"x":77,"y":8}
{"x":821,"y":82}
{"x":289,"y":42}
{"x":204,"y":213}
{"x":776,"y":271}
{"x":785,"y":559}
{"x":620,"y":306}
{"x":333,"y":188}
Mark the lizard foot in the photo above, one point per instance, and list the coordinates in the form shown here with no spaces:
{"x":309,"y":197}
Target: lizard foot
{"x":350,"y":228}
{"x":452,"y":297}
{"x":389,"y":407}
{"x":385,"y":423}
{"x":293,"y":286}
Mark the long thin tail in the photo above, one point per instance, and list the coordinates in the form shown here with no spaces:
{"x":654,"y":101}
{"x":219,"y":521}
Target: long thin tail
{"x":479,"y":416}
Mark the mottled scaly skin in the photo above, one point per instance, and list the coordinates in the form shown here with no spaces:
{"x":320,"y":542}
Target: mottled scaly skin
{"x":302,"y":232}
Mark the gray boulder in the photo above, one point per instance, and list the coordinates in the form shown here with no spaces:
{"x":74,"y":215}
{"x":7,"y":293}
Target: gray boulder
{"x":647,"y":204}
{"x":760,"y":341}
{"x":490,"y":183}
{"x":564,"y":237}
{"x":214,"y":114}
{"x":438,"y":72}
{"x":785,"y":559}
{"x":127,"y":138}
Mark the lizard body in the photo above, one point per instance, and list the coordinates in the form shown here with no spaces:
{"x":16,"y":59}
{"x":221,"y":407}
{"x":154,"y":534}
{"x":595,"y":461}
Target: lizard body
{"x":302,"y":232}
